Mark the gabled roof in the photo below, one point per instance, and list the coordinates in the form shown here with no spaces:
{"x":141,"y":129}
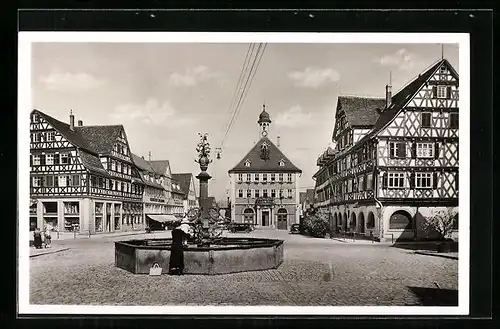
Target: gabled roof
{"x":160,"y":166}
{"x":100,"y":138}
{"x":142,"y":164}
{"x":259,"y":165}
{"x":400,"y":99}
{"x":92,"y":163}
{"x":184,"y":180}
{"x":360,"y":111}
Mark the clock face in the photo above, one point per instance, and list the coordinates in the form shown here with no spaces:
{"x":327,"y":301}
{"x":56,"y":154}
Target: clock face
{"x":264,"y":133}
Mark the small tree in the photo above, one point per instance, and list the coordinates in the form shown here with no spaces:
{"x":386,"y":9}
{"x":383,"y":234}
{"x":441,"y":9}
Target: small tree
{"x":316,"y":224}
{"x":440,"y":222}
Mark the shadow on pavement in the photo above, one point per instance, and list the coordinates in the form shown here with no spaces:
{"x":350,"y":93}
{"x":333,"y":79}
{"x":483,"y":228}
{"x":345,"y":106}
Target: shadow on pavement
{"x":435,"y":296}
{"x":426,"y":246}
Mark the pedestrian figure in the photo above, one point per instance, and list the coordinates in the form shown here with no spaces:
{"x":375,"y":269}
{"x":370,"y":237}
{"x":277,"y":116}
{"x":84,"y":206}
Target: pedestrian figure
{"x":179,"y":237}
{"x":37,"y":237}
{"x":48,"y":237}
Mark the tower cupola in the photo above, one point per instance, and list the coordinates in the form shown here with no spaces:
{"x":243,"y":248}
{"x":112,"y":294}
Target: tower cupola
{"x":264,"y":121}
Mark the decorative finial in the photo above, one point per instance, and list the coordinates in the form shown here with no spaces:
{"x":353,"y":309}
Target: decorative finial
{"x":71,"y":112}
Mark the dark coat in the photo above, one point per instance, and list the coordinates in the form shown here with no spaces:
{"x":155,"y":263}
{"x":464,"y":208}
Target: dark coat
{"x":177,"y":251}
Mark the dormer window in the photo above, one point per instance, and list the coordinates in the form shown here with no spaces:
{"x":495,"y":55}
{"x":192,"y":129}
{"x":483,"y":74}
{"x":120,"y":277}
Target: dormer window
{"x":281,"y":163}
{"x":247,"y":163}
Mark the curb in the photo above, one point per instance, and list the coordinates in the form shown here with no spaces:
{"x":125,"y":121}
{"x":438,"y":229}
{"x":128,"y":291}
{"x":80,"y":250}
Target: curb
{"x":435,"y":255}
{"x":49,"y":252}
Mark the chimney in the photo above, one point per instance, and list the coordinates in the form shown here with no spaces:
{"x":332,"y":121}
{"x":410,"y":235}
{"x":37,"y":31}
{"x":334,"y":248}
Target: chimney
{"x":278,"y":142}
{"x":80,"y":123}
{"x":71,"y":120}
{"x":388,"y":95}
{"x":388,"y":91}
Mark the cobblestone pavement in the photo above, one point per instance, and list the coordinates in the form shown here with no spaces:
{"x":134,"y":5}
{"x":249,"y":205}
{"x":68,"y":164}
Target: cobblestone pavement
{"x":314,"y":272}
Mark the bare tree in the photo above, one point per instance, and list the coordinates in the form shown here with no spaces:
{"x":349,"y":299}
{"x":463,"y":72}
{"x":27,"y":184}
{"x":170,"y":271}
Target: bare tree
{"x":441,"y":222}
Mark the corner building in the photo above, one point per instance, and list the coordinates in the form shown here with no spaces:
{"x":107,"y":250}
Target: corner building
{"x":395,"y":160}
{"x":265,"y":185}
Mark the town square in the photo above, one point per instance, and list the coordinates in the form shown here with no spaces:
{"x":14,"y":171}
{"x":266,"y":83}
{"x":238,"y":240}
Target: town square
{"x":244,"y":174}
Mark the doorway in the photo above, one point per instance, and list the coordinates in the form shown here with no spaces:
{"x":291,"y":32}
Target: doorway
{"x":265,"y":218}
{"x":282,"y":219}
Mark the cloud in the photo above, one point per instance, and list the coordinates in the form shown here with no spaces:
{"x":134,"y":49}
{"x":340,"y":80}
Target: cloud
{"x":314,"y":77}
{"x":151,"y":113}
{"x":294,"y":117}
{"x":192,"y":76}
{"x":70,"y":81}
{"x":401,"y":59}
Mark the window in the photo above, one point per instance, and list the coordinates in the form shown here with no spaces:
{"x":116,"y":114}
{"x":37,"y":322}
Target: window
{"x":112,"y":185}
{"x":396,"y":180}
{"x":273,"y":177}
{"x":257,"y":177}
{"x":280,"y":177}
{"x":51,"y":136}
{"x":361,"y":181}
{"x":248,"y":178}
{"x":49,"y":159}
{"x":289,"y":178}
{"x":257,"y":194}
{"x":249,"y":193}
{"x":63,"y":180}
{"x":349,"y":186}
{"x":113,"y":165}
{"x":281,"y":163}
{"x":36,"y":160}
{"x":453,"y":121}
{"x":426,"y":120}
{"x":264,"y":193}
{"x":49,"y":181}
{"x":281,"y":194}
{"x":36,"y":137}
{"x":273,"y":193}
{"x":397,"y":149}
{"x":57,"y":158}
{"x":423,"y":180}
{"x":290,"y":194}
{"x":64,"y":158}
{"x":348,"y":162}
{"x":240,"y":193}
{"x":247,"y":163}
{"x":425,"y":150}
{"x":264,"y":178}
{"x":240,"y":177}
{"x":35,"y":117}
{"x":118,"y":166}
{"x":441,"y":92}
{"x":37,"y":181}
{"x":369,"y":181}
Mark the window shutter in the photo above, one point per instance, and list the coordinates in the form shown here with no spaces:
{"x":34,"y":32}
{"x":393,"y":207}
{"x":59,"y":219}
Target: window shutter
{"x":456,"y":181}
{"x":412,"y":180}
{"x":414,"y":150}
{"x":384,"y":180}
{"x":434,"y":180}
{"x":42,"y":159}
{"x":448,"y":92}
{"x":402,"y":148}
{"x":436,"y":150}
{"x":391,"y":150}
{"x":31,"y":160}
{"x":434,"y":91}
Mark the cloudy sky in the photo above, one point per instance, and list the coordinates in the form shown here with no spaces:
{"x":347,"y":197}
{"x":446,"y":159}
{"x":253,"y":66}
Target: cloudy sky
{"x":165,"y":93}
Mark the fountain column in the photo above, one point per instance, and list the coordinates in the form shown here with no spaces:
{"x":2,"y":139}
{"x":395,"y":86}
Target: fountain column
{"x":204,"y":160}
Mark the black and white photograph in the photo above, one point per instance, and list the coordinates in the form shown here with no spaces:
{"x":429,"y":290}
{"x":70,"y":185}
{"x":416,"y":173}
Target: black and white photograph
{"x":254,"y":173}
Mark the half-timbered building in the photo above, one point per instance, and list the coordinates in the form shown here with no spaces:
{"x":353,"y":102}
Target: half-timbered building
{"x":395,"y":159}
{"x":188,"y":188}
{"x":264,"y":185}
{"x":82,"y":178}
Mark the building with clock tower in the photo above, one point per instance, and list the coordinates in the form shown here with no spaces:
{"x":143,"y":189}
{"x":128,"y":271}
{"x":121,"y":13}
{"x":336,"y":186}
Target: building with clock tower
{"x":264,"y":184}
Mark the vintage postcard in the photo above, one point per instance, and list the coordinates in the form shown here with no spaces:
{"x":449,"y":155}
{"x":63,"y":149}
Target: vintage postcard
{"x":223,"y":173}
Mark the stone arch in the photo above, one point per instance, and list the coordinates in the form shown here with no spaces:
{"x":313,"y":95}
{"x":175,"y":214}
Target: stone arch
{"x":282,"y":219}
{"x":249,"y":216}
{"x":361,"y":222}
{"x":352,"y":221}
{"x":370,"y":223}
{"x":400,"y":220}
{"x":335,"y":222}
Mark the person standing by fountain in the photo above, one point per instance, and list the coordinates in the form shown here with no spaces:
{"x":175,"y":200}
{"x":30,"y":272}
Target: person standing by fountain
{"x":179,"y":237}
{"x":37,"y":238}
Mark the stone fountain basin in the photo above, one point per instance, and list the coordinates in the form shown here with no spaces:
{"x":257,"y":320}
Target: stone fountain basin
{"x":229,"y":255}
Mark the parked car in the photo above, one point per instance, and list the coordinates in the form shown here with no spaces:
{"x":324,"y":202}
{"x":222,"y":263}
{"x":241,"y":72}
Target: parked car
{"x":240,"y":227}
{"x":295,"y":229}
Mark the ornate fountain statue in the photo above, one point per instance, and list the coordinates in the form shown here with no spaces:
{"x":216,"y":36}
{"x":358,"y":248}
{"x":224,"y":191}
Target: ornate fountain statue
{"x":206,"y":221}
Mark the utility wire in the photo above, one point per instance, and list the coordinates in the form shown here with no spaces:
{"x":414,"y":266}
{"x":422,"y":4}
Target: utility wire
{"x":248,"y":83}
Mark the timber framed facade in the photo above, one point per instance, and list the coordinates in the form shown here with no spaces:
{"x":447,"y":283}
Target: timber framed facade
{"x":394,"y":160}
{"x":82,"y":178}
